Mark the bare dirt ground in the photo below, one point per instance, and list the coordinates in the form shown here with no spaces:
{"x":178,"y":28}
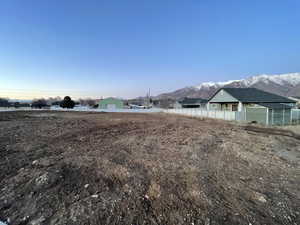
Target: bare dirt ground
{"x":294,"y":128}
{"x":111,"y":168}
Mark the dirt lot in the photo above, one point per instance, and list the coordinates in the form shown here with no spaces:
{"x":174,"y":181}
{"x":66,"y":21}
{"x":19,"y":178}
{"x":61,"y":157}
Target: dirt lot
{"x":111,"y":168}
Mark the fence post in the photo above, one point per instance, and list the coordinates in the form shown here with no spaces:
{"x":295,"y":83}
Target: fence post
{"x":283,"y":117}
{"x":272,"y":117}
{"x":267,"y":117}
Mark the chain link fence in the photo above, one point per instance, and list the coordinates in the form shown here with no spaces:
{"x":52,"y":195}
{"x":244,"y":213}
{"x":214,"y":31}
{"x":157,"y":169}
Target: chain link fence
{"x":295,"y":116}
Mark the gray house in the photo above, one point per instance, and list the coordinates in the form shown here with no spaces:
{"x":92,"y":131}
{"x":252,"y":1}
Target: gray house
{"x":256,"y":105}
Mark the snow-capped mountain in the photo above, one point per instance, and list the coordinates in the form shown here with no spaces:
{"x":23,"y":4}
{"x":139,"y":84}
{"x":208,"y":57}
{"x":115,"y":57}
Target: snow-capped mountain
{"x":282,"y":84}
{"x":291,"y":79}
{"x":215,"y":84}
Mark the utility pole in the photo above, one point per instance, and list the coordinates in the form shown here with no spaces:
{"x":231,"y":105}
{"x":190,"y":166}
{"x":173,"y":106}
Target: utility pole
{"x":148,"y":99}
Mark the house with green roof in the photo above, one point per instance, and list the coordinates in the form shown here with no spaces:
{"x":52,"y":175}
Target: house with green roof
{"x":256,"y":105}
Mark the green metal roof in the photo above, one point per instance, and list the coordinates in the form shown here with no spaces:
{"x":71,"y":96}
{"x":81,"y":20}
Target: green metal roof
{"x":253,"y":95}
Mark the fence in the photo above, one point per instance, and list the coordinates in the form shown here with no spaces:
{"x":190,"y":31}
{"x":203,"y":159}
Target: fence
{"x":81,"y":109}
{"x":295,"y":115}
{"x":259,"y":115}
{"x":198,"y":112}
{"x":276,"y":117}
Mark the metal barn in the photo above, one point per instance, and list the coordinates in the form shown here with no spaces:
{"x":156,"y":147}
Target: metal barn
{"x":111,"y":103}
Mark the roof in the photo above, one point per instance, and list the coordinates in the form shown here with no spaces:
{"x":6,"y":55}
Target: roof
{"x":192,"y":101}
{"x":295,"y":97}
{"x":253,"y":95}
{"x":111,"y":99}
{"x":276,"y":105}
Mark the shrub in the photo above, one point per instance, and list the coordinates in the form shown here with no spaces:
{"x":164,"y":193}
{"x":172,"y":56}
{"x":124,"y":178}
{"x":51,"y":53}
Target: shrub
{"x":17,"y":104}
{"x":56,"y":103}
{"x":4,"y":102}
{"x":39,"y":103}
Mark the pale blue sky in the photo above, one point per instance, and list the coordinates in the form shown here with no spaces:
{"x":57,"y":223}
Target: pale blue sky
{"x":97,"y":48}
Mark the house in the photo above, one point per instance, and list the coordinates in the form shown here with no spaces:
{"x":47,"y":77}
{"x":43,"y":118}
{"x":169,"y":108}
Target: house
{"x":111,"y":103}
{"x":166,"y":103}
{"x":177,"y":105}
{"x":255,"y":105}
{"x":193,"y":103}
{"x":236,"y":99}
{"x":297,"y":99}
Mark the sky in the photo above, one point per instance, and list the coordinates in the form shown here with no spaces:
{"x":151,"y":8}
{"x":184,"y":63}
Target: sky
{"x":121,"y":48}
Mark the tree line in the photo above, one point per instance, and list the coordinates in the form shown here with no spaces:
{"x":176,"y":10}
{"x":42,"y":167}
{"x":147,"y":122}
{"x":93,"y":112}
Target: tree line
{"x":67,"y":102}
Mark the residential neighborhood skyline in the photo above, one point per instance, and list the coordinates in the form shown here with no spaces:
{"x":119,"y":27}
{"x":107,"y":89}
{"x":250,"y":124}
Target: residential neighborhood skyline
{"x":282,"y":84}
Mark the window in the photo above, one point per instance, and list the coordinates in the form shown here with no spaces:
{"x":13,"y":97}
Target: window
{"x":234,"y":107}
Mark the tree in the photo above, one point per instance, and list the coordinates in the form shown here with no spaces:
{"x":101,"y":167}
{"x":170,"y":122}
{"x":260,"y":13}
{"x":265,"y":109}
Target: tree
{"x":39,"y":103}
{"x":17,"y":104}
{"x":87,"y":102}
{"x":4,"y":102}
{"x":67,"y":103}
{"x":54,"y":101}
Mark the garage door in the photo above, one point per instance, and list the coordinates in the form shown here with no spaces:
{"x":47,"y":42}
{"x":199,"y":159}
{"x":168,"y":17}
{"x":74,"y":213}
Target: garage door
{"x":111,"y":106}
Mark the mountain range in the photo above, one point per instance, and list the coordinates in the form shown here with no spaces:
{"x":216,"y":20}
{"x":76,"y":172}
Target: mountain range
{"x":283,"y":84}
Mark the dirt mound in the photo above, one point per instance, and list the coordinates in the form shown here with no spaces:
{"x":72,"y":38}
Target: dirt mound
{"x":113,"y":168}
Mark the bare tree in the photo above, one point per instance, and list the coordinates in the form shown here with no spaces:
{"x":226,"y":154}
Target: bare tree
{"x":4,"y":102}
{"x":87,"y":102}
{"x":39,"y":103}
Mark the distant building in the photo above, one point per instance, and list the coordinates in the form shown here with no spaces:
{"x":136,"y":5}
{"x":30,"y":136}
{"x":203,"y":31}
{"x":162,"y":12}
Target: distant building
{"x":193,"y":103}
{"x":111,"y":103}
{"x":166,"y":103}
{"x":177,"y":105}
